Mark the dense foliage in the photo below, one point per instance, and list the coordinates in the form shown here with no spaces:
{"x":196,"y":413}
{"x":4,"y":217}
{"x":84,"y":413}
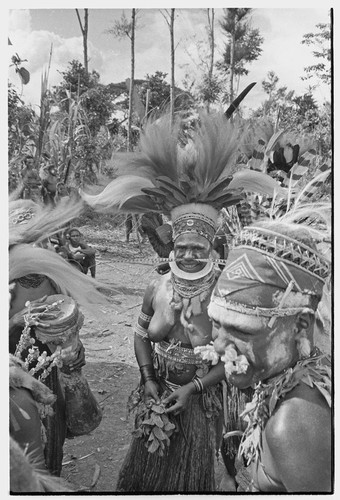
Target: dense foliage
{"x":82,"y":121}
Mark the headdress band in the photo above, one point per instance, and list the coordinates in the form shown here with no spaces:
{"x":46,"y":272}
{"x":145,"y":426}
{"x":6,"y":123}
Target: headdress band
{"x":283,"y":247}
{"x":194,"y":223}
{"x":219,"y":305}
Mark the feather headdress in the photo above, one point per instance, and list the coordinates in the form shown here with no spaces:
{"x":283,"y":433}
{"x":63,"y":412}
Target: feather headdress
{"x":31,"y":223}
{"x":168,"y":177}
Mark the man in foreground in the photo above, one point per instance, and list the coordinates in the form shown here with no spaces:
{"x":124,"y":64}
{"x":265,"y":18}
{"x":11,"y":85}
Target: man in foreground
{"x":263,"y":311}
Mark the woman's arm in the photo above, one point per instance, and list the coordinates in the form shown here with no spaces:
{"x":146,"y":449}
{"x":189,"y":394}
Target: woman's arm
{"x":143,"y":347}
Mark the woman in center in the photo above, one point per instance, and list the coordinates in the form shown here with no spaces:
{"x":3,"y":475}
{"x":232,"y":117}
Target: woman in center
{"x":173,"y":321}
{"x":178,"y":403}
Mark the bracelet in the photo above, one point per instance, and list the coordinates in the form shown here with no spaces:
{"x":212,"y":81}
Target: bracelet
{"x":145,"y":317}
{"x":147,"y":372}
{"x":140,"y":331}
{"x":198,"y":384}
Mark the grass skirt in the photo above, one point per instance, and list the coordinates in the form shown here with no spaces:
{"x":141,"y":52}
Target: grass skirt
{"x":188,"y":463}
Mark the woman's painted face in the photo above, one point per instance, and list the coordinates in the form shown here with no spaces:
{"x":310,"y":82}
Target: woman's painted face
{"x":250,"y":349}
{"x":188,"y":248}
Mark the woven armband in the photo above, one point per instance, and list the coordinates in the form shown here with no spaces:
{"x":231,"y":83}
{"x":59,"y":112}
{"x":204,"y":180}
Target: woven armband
{"x":140,"y":331}
{"x":145,"y":317}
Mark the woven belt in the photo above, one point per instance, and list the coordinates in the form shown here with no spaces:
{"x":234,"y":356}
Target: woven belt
{"x":178,"y":354}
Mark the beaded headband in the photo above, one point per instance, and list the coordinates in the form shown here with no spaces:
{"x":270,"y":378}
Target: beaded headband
{"x":198,"y":218}
{"x":194,"y":223}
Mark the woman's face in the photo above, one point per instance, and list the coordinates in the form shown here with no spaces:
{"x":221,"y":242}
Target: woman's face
{"x":247,"y":340}
{"x":188,"y":248}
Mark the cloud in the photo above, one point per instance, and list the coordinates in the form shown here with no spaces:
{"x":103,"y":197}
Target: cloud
{"x":38,"y":47}
{"x":19,"y":20}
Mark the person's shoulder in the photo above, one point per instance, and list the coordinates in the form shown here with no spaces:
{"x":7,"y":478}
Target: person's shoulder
{"x":300,"y":414}
{"x":155,"y":284}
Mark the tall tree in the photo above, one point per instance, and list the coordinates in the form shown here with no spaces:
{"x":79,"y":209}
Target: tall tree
{"x":244,"y":45}
{"x":169,"y":16}
{"x":208,"y":86}
{"x":322,"y":41}
{"x":120,"y":29}
{"x":211,"y":38}
{"x":84,"y":30}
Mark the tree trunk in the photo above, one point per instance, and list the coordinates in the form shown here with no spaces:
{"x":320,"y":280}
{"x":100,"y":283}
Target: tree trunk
{"x":147,"y":102}
{"x":86,"y":27}
{"x":232,"y":53}
{"x":212,"y":47}
{"x":172,"y":85}
{"x":84,"y":31}
{"x":133,"y":27}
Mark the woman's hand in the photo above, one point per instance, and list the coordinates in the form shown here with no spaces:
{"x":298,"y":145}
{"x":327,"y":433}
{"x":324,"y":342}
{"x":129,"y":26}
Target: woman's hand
{"x":151,"y":391}
{"x":179,"y":398}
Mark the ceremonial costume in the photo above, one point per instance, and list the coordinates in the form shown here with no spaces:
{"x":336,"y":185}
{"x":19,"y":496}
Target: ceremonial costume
{"x":35,"y":272}
{"x":272,"y":283}
{"x":189,"y":179}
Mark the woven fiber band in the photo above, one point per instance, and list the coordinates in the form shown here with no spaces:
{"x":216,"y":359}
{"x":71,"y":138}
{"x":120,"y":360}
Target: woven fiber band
{"x":284,"y":248}
{"x":178,"y":354}
{"x":140,"y":331}
{"x":145,"y":317}
{"x":267,"y":312}
{"x":194,"y":223}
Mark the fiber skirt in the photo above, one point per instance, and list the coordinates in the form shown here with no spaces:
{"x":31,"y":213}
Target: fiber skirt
{"x":188,"y":463}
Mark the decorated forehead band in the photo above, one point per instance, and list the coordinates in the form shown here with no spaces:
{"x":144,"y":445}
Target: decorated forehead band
{"x":266,"y":312}
{"x":283,"y":247}
{"x":194,"y":223}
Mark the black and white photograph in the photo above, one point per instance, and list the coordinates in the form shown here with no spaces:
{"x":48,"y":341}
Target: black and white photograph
{"x":170,"y":199}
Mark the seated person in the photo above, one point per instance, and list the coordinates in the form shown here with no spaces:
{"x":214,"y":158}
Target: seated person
{"x":79,"y":252}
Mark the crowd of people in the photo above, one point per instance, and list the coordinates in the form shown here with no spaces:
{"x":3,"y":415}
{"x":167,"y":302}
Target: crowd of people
{"x":225,"y":338}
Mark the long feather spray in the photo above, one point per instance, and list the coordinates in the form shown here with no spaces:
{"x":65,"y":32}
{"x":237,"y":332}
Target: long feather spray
{"x":45,"y":221}
{"x":164,"y":174}
{"x":25,"y":259}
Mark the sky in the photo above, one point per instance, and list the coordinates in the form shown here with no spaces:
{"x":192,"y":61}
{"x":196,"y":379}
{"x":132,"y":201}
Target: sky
{"x":34,"y":31}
